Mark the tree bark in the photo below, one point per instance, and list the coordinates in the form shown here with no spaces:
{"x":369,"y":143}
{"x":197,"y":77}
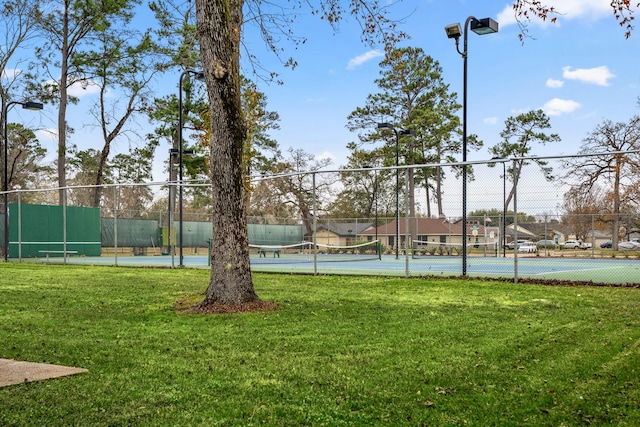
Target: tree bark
{"x":218,"y":26}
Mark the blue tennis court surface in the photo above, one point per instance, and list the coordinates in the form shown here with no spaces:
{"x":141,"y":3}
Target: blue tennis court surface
{"x":580,"y":269}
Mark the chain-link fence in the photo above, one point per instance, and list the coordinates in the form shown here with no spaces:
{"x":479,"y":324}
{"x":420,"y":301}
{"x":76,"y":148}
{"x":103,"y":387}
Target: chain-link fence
{"x":524,"y":218}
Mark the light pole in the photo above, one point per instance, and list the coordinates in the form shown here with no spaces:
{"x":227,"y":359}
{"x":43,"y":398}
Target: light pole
{"x":375,"y":197}
{"x":454,"y":31}
{"x":386,"y":125}
{"x":173,"y":154}
{"x":200,"y":76}
{"x":504,"y":209}
{"x":28,"y":105}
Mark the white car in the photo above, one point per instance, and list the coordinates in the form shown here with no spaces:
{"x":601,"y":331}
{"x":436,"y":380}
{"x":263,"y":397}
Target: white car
{"x":527,"y":247}
{"x":628,"y":246}
{"x":512,"y":245}
{"x":571,"y":244}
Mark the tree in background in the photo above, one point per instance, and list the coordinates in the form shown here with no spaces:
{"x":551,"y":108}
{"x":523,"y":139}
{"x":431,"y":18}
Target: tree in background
{"x":24,"y":160}
{"x":611,"y":163}
{"x":519,"y":136}
{"x":364,"y":192}
{"x":133,"y":168}
{"x":68,"y":29}
{"x":295,"y":187}
{"x":261,"y":152}
{"x":583,"y":210}
{"x":413,"y":95}
{"x":17,"y":28}
{"x":82,"y":167}
{"x":123,"y":62}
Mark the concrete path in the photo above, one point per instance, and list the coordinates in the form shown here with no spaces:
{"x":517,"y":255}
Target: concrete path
{"x":15,"y":372}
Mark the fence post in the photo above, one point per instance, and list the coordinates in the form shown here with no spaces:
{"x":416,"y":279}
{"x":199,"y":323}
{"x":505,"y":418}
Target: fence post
{"x":406,"y":225}
{"x":19,"y":227}
{"x":64,"y":225}
{"x":515,"y":222}
{"x":314,"y":228}
{"x":593,"y":236}
{"x":115,"y":224}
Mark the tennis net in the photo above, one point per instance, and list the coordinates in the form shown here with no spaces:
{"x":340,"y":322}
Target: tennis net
{"x":423,"y":248}
{"x":307,"y":251}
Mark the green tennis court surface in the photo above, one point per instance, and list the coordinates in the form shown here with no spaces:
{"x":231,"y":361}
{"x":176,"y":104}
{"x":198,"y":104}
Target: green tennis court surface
{"x":610,"y":270}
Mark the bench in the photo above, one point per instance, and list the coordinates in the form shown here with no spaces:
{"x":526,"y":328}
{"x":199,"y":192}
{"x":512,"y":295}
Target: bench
{"x":262,"y":252}
{"x":65,"y":254}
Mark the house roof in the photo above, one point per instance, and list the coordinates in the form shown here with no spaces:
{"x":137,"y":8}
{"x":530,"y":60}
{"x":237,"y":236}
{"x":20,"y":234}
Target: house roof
{"x":539,"y":228}
{"x":346,"y":228}
{"x":522,"y":232}
{"x":436,"y":226}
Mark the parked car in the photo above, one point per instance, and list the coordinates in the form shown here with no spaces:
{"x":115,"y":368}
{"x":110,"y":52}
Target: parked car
{"x":527,"y":247}
{"x":628,"y":246}
{"x":575,"y":244}
{"x":512,"y":245}
{"x":606,"y":245}
{"x":549,"y":244}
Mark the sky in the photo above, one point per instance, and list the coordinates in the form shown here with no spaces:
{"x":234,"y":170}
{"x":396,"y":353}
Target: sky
{"x":580,"y":70}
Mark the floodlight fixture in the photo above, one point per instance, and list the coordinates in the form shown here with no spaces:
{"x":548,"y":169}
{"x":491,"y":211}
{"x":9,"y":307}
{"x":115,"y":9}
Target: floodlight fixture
{"x":454,"y":31}
{"x":484,"y":26}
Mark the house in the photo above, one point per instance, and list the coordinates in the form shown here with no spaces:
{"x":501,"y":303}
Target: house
{"x":557,"y":232}
{"x":333,"y":233}
{"x":531,"y":231}
{"x":432,"y":230}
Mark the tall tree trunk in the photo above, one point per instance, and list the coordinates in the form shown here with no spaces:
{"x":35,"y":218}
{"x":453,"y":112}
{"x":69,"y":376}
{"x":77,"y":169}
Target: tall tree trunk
{"x":102,"y":161}
{"x":62,"y":109}
{"x":616,"y":202}
{"x":439,"y":182}
{"x":218,"y":25}
{"x":518,"y":170}
{"x":427,"y":197}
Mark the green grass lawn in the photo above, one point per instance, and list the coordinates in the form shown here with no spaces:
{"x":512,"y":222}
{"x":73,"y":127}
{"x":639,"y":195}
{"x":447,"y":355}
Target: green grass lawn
{"x":340,"y":351}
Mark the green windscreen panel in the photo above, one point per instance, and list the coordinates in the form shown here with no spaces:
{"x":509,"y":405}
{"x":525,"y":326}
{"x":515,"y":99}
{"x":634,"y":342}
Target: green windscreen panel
{"x":274,"y":234}
{"x":195,"y":233}
{"x":35,"y":229}
{"x":131,"y":232}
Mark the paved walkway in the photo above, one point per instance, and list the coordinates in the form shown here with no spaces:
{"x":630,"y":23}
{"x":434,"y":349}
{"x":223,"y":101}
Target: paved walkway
{"x":15,"y":372}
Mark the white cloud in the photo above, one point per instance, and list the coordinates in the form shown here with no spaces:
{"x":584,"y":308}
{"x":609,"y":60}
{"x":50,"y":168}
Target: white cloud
{"x":554,"y":83}
{"x":361,"y":59}
{"x":598,"y":76}
{"x":11,"y":73}
{"x":325,"y":155}
{"x":48,"y":134}
{"x":557,"y":107}
{"x":490,"y":120}
{"x":79,"y":89}
{"x":566,"y":10}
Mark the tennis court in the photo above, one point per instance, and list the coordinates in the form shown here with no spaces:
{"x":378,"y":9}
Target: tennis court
{"x":606,"y":270}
